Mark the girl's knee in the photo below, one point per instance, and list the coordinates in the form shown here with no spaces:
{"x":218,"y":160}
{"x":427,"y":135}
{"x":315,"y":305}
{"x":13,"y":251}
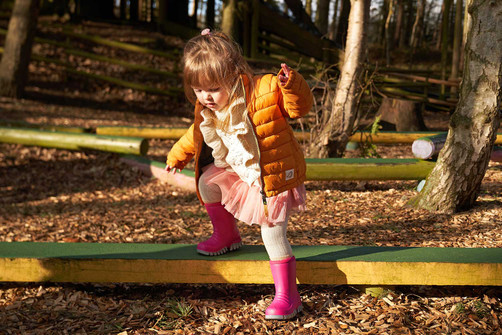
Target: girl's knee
{"x":210,"y":193}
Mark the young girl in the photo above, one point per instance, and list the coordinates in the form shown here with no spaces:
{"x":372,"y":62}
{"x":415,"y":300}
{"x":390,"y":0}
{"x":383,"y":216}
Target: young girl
{"x":248,"y":164}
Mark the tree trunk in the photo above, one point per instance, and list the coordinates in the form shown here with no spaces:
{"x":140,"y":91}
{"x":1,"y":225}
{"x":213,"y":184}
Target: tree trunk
{"x":383,"y":19}
{"x":174,"y":11}
{"x":343,"y":22}
{"x":134,"y":10}
{"x":322,"y":16}
{"x":123,"y":9}
{"x":445,"y":41}
{"x":301,"y":15}
{"x":334,"y":135}
{"x":308,"y":7}
{"x":404,"y":38}
{"x":404,"y":115}
{"x":333,"y":25}
{"x":210,"y":13}
{"x":229,"y":19}
{"x":417,"y":29}
{"x":399,"y":22}
{"x":387,"y":41}
{"x":455,"y":181}
{"x":457,"y":44}
{"x":17,"y":51}
{"x":95,"y":9}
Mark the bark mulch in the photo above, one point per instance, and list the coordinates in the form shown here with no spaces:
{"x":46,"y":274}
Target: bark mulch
{"x":72,"y":196}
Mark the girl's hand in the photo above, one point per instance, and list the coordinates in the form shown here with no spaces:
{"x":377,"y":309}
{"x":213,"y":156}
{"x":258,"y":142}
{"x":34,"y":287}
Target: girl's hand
{"x":283,"y":79}
{"x":171,"y":169}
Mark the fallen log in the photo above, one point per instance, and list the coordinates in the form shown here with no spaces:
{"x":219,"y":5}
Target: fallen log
{"x":428,"y":147}
{"x":74,"y":141}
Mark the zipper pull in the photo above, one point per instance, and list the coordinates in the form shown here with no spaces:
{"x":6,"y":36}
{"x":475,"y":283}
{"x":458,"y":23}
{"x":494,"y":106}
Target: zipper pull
{"x":264,"y":198}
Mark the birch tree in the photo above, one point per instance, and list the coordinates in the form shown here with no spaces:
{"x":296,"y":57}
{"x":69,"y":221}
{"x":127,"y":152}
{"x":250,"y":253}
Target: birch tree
{"x":334,"y":134}
{"x":455,"y":181}
{"x":17,"y":52}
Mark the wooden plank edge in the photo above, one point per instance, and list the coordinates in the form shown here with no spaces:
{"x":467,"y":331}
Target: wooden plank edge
{"x":184,"y":179}
{"x":248,"y":272}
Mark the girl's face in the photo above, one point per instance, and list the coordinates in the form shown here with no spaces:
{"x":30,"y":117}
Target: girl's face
{"x":214,"y":98}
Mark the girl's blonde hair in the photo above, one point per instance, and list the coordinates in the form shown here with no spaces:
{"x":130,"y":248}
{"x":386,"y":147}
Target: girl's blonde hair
{"x":213,"y":60}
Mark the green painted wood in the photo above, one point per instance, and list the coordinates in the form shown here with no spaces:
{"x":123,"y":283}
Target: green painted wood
{"x":73,"y":141}
{"x":159,"y":165}
{"x":367,"y":169}
{"x":341,"y":168}
{"x":317,"y":253}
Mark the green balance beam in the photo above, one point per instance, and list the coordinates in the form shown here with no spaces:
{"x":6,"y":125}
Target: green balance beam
{"x":317,"y":169}
{"x":382,"y":137}
{"x":180,"y":263}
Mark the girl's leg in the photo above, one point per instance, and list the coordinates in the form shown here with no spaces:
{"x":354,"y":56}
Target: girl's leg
{"x":225,"y":236}
{"x":287,"y":302}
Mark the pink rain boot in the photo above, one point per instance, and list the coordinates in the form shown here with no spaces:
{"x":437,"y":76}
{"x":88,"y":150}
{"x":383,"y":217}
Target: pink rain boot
{"x":287,"y":302}
{"x":225,"y":233}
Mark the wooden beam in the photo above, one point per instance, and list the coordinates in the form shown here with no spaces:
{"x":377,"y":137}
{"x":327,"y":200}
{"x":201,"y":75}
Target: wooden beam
{"x":383,"y":137}
{"x":317,"y":169}
{"x":74,"y":141}
{"x":184,"y":179}
{"x":145,"y":132}
{"x":180,"y":263}
{"x":368,"y":169}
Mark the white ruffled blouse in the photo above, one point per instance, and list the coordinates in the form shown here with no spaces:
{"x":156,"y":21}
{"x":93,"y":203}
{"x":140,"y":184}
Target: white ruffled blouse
{"x":234,"y":148}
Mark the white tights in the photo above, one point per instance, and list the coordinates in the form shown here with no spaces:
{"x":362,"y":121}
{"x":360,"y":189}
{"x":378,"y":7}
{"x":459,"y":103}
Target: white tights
{"x":274,"y":237}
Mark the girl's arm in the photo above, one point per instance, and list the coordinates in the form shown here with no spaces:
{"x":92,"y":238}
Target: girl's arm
{"x":182,"y":152}
{"x":296,"y":94}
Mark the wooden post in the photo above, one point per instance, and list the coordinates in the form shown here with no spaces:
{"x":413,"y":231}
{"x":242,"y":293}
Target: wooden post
{"x":406,"y":115}
{"x":255,"y":21}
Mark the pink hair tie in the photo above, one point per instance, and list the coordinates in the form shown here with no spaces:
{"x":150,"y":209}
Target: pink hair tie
{"x":206,"y":31}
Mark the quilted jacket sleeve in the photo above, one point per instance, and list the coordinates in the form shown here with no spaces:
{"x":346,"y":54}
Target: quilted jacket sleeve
{"x":182,"y":151}
{"x":296,"y":95}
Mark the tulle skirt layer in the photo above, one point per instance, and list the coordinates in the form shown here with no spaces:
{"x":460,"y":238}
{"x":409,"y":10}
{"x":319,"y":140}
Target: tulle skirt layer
{"x":246,"y":203}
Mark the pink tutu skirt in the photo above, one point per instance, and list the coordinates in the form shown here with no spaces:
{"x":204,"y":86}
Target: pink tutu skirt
{"x":246,"y":203}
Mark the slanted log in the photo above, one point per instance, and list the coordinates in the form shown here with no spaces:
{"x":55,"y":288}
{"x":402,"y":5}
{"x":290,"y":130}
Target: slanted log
{"x":185,"y":179}
{"x":50,"y":127}
{"x":74,"y":141}
{"x":119,"y":45}
{"x":405,"y":115}
{"x":144,"y":132}
{"x":428,"y":147}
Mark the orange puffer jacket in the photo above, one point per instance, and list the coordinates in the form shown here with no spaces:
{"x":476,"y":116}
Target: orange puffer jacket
{"x":269,"y":107}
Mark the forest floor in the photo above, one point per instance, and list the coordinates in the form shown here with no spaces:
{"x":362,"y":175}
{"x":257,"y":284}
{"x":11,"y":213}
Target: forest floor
{"x":50,"y":195}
